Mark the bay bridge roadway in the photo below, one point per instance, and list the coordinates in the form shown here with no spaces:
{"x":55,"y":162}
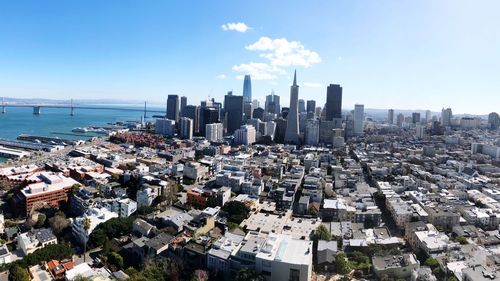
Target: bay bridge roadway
{"x":37,"y":108}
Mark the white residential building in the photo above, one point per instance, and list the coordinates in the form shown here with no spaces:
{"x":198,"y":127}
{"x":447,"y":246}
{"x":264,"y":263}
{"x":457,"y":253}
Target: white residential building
{"x":96,"y":216}
{"x":145,"y":197}
{"x":214,"y":132}
{"x":245,"y":135}
{"x":29,"y":242}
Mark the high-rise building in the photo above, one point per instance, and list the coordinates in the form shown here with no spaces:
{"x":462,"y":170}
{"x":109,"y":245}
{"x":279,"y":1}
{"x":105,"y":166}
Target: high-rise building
{"x":245,"y":135}
{"x":311,"y":106}
{"x":214,"y":132}
{"x":428,"y":116}
{"x":359,"y":119}
{"x":247,"y":110}
{"x":292,"y":127}
{"x":233,"y":108}
{"x":272,"y":103}
{"x":173,"y":107}
{"x":210,"y":116}
{"x":247,"y":89}
{"x":279,"y":132}
{"x":255,"y":104}
{"x":390,"y":116}
{"x":183,"y":105}
{"x":165,"y":127}
{"x":400,"y":119}
{"x":186,"y":128}
{"x":193,"y":112}
{"x":258,"y":113}
{"x":415,"y":117}
{"x":333,"y":105}
{"x":493,"y":121}
{"x":420,"y":131}
{"x":302,"y":106}
{"x":446,"y":115}
{"x":312,"y":132}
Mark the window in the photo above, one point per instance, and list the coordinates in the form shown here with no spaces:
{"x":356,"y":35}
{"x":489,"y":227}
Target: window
{"x":294,"y":275}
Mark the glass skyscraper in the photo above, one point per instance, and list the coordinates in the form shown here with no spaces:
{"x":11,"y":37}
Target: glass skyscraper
{"x":247,"y":89}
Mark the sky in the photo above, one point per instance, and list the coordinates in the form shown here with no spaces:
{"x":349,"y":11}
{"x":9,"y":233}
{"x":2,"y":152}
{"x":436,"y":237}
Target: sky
{"x":425,"y":54}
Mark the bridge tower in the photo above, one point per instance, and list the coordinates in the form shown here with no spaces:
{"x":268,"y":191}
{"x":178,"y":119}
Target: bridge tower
{"x":145,"y":111}
{"x":3,"y":106}
{"x":37,"y":110}
{"x":72,"y":109}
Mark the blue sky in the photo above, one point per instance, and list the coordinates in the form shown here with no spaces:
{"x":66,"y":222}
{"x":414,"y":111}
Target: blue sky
{"x":386,"y":54}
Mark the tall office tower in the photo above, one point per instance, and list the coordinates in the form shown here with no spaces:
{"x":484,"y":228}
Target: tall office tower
{"x":446,"y":115}
{"x":186,"y":128}
{"x":272,"y":104}
{"x":493,"y":121}
{"x":302,"y":122}
{"x":302,"y":106}
{"x":349,"y":125}
{"x":400,"y":120}
{"x":214,"y":132}
{"x":270,"y":129}
{"x":312,"y":132}
{"x":420,"y":131}
{"x":245,"y":135}
{"x":311,"y":106}
{"x":318,"y":111}
{"x":333,"y":105}
{"x":359,"y":119}
{"x":390,"y":116}
{"x":292,"y":126}
{"x":326,"y":131}
{"x":210,"y":116}
{"x":415,"y":117}
{"x":247,"y":89}
{"x":233,"y":109}
{"x":193,"y":112}
{"x":247,"y":110}
{"x":279,"y":132}
{"x":173,"y":107}
{"x":184,"y":101}
{"x":427,"y":116}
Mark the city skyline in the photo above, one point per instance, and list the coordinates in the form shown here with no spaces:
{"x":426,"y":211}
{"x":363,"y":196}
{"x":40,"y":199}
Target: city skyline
{"x":410,"y":61}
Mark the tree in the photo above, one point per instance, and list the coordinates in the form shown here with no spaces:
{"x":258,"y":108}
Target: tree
{"x":462,"y":240}
{"x":145,"y":210}
{"x":86,"y":226}
{"x":18,"y":273}
{"x":248,"y":275}
{"x":115,"y":259}
{"x":58,"y":224}
{"x":82,"y":278}
{"x":40,"y":220}
{"x":341,"y":264}
{"x":432,"y":263}
{"x":322,"y":233}
{"x":212,"y":202}
{"x":452,"y":278}
{"x":236,"y":211}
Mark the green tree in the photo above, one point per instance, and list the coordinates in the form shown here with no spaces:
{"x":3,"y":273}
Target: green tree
{"x":322,"y":233}
{"x":18,"y":273}
{"x":341,"y":264}
{"x":40,"y":221}
{"x":86,"y":225}
{"x":462,"y":240}
{"x":145,"y":210}
{"x":115,"y":259}
{"x":236,"y":211}
{"x":452,"y":278}
{"x":248,"y":275}
{"x":82,"y":278}
{"x":432,"y":263}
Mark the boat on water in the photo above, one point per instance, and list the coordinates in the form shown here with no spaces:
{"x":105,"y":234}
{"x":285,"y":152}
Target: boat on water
{"x":80,"y":130}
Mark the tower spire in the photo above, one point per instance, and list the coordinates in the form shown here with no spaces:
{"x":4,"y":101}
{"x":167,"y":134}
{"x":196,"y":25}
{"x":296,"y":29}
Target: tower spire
{"x":295,"y":78}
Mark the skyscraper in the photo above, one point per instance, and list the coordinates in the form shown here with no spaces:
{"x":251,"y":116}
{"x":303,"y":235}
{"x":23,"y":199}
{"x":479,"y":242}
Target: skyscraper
{"x":312,"y":132}
{"x":311,"y":106}
{"x":390,"y":116}
{"x":493,"y":121}
{"x":333,"y":105}
{"x":302,"y":106}
{"x":415,"y":117}
{"x":233,"y":108}
{"x":292,"y":127}
{"x":272,"y":104}
{"x":214,"y":132}
{"x":359,"y":119}
{"x":183,"y":105}
{"x":173,"y":107}
{"x":446,"y":115}
{"x":193,"y":112}
{"x":247,"y":89}
{"x":186,"y":128}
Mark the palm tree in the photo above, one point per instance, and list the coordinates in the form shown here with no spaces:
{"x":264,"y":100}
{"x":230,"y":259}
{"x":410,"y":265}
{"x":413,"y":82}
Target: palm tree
{"x":86,"y":226}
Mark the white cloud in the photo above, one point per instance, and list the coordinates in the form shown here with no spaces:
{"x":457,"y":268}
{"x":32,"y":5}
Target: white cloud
{"x":258,"y":70}
{"x":221,"y":76}
{"x":236,"y":26}
{"x":279,"y":54}
{"x":313,"y":85}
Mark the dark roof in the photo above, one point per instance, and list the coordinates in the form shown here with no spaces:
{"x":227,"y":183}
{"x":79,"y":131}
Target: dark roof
{"x":159,"y":241}
{"x":44,"y":235}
